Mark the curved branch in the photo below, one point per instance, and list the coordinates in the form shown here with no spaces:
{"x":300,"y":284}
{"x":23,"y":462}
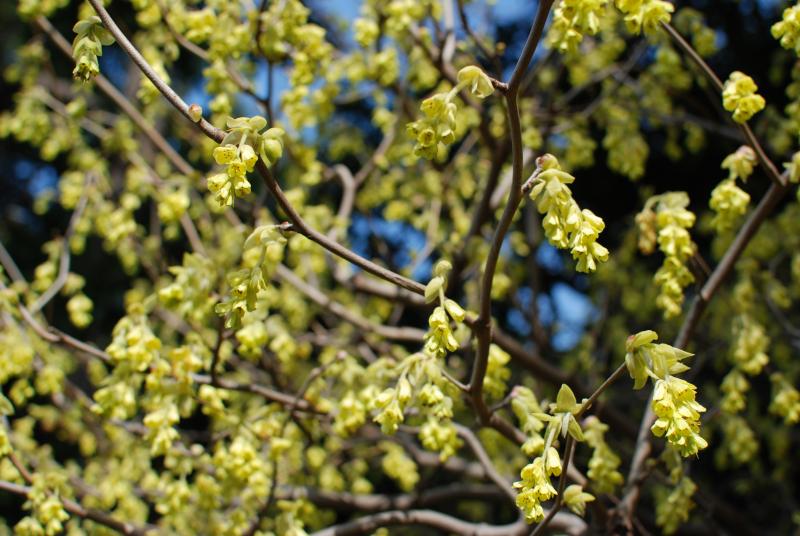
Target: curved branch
{"x":567,"y":523}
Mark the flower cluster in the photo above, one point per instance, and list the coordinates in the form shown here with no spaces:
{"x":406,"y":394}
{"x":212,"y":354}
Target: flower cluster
{"x":673,"y":507}
{"x":678,"y":415}
{"x":677,"y":412}
{"x":739,"y":96}
{"x":48,"y":511}
{"x":604,"y":463}
{"x":397,"y":465}
{"x":265,"y":245}
{"x":728,"y":201}
{"x":575,"y":499}
{"x":793,"y":168}
{"x":787,"y":30}
{"x":440,"y":437}
{"x":240,"y":150}
{"x":190,"y":294}
{"x":573,"y":19}
{"x":740,"y":441}
{"x":690,"y":22}
{"x":497,"y":374}
{"x":421,"y":382}
{"x":750,"y":344}
{"x":665,"y":217}
{"x":565,"y":224}
{"x":440,"y":338}
{"x":644,"y":15}
{"x":526,"y":408}
{"x":91,"y":36}
{"x":438,"y":125}
{"x":535,"y":486}
{"x":785,"y":399}
{"x":627,"y":148}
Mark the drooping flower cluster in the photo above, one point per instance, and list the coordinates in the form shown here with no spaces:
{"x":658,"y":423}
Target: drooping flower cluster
{"x":678,"y":415}
{"x":535,"y":486}
{"x":265,"y":246}
{"x":750,"y":344}
{"x":673,"y":507}
{"x":575,"y":499}
{"x":91,"y":36}
{"x":604,"y":463}
{"x":627,"y":148}
{"x":565,"y":224}
{"x":497,"y":374}
{"x":787,"y":30}
{"x":438,"y":126}
{"x":48,"y":514}
{"x":739,"y":445}
{"x":573,"y":19}
{"x":785,"y":399}
{"x":793,"y":168}
{"x":691,"y":23}
{"x":420,"y":382}
{"x":526,"y":408}
{"x":739,"y":96}
{"x":240,"y":150}
{"x":440,"y":338}
{"x":677,"y":411}
{"x":644,"y":15}
{"x":665,"y":216}
{"x":728,"y":201}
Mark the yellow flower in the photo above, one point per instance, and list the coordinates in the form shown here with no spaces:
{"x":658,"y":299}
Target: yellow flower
{"x":575,"y":499}
{"x":477,"y":81}
{"x":739,"y":96}
{"x":678,"y":415}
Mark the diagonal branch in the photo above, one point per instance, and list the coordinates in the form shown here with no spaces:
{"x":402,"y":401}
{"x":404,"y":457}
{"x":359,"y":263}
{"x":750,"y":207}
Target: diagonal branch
{"x":298,"y":223}
{"x":644,"y":446}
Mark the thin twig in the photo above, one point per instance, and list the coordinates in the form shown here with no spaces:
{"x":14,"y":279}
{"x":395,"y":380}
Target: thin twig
{"x":769,"y":165}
